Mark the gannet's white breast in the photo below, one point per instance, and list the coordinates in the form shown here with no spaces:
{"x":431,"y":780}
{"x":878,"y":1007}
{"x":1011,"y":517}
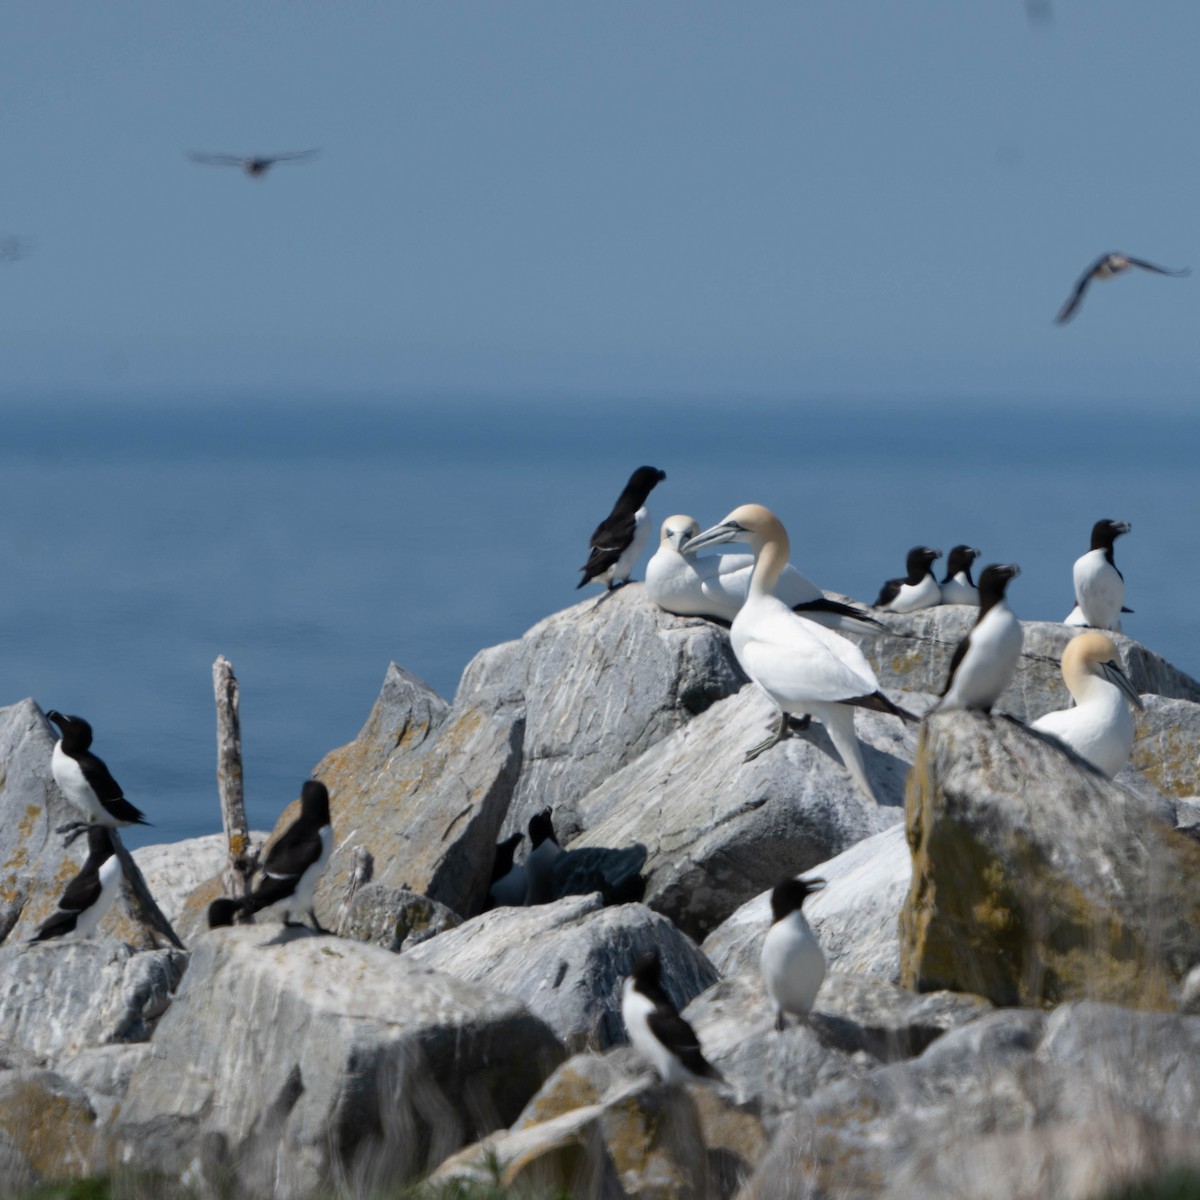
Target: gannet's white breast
{"x":1099,"y":729}
{"x":957,"y":590}
{"x":987,"y":666}
{"x":793,"y":965}
{"x":1099,"y":590}
{"x":89,"y":920}
{"x":913,"y":596}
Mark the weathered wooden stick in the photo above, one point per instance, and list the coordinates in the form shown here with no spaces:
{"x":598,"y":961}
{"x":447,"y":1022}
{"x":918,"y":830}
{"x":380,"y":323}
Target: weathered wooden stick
{"x":360,"y":873}
{"x":237,"y":871}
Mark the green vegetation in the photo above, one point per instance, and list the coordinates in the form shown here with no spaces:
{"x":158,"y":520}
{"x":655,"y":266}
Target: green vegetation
{"x":1182,"y":1183}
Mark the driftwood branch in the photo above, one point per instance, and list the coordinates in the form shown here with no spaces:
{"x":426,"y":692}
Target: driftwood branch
{"x":236,"y":876}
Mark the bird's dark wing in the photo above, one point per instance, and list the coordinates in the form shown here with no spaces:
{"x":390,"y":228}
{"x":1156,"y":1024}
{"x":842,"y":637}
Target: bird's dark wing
{"x":676,"y":1034}
{"x":836,"y":606}
{"x":82,"y":892}
{"x":108,"y":790}
{"x":216,"y":160}
{"x":609,"y":542}
{"x":888,"y":593}
{"x":1076,"y":297}
{"x":293,"y":156}
{"x":294,"y":853}
{"x":960,"y":652}
{"x":55,"y":926}
{"x":878,"y":702}
{"x":1149,"y":266}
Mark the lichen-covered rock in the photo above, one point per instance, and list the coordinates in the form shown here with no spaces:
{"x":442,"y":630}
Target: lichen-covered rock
{"x":35,"y":866}
{"x":1035,"y":880}
{"x":59,"y":998}
{"x":48,"y":1121}
{"x":396,"y":919}
{"x":305,"y":1055}
{"x":1166,"y":745}
{"x":104,"y":1073}
{"x":566,"y":961}
{"x":718,"y":830}
{"x":856,"y":917}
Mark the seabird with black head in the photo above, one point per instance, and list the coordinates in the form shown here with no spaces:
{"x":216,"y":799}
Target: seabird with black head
{"x":792,"y":961}
{"x":918,"y":589}
{"x":958,"y":587}
{"x":985,"y":661}
{"x":618,"y":541}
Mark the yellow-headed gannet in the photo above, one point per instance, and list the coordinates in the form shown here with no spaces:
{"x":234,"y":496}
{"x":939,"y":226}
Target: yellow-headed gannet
{"x":1099,"y":586}
{"x":918,"y":589}
{"x":1100,"y":726}
{"x":985,"y":660}
{"x":1105,"y":267}
{"x":792,"y":962}
{"x":958,"y":587}
{"x":621,"y":537}
{"x":715,"y":585}
{"x":807,"y":670}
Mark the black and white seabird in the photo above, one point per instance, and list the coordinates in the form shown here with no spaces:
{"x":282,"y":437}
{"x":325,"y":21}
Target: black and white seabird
{"x":1099,"y":585}
{"x":658,"y":1033}
{"x":1105,"y":267}
{"x":621,"y":537}
{"x":89,"y":895}
{"x":918,"y":589}
{"x":792,"y":961}
{"x":958,"y":587}
{"x":85,"y":780}
{"x":539,"y":862}
{"x":985,"y":660}
{"x":806,"y":669}
{"x":254,"y":165}
{"x":1099,"y":728}
{"x":508,"y":885}
{"x":295,"y":862}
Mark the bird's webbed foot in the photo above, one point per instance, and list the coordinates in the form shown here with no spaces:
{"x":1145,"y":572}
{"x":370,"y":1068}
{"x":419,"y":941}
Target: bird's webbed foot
{"x":780,"y":732}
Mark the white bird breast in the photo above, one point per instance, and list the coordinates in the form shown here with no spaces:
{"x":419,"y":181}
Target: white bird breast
{"x":793,"y":964}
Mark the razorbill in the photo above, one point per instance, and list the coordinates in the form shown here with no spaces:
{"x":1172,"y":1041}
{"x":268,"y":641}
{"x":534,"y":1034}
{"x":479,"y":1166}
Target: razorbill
{"x":1099,"y":586}
{"x":1105,"y":267}
{"x":295,"y":862}
{"x":715,"y":585}
{"x":805,"y":669}
{"x":658,"y":1033}
{"x":918,"y":589}
{"x":539,"y":862}
{"x":256,"y":165}
{"x":89,"y":895}
{"x":958,"y":587}
{"x":508,"y":884}
{"x":985,"y":660}
{"x":621,"y":537}
{"x":793,"y":964}
{"x":85,"y":780}
{"x":1100,"y":726}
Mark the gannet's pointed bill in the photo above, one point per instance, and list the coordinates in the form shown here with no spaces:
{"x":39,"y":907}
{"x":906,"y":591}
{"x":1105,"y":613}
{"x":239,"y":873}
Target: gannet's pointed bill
{"x":1111,"y":670}
{"x":728,"y":530}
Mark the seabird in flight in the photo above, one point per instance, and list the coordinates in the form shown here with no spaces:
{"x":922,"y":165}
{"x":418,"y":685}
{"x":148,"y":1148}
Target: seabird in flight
{"x":1105,"y":267}
{"x":254,"y":166}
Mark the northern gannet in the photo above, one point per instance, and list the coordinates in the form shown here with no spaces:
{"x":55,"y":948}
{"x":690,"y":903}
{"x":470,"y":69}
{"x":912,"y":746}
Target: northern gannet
{"x":620,"y":538}
{"x":958,"y":587}
{"x":544,"y":850}
{"x":89,"y":895}
{"x":792,"y":961}
{"x":254,"y":165}
{"x":918,"y":589}
{"x":658,"y":1033}
{"x":715,"y":585}
{"x":509,"y":883}
{"x":807,"y":670}
{"x":985,"y":660}
{"x":1100,"y":726}
{"x":1099,"y":586}
{"x":1105,"y":267}
{"x":86,"y":782}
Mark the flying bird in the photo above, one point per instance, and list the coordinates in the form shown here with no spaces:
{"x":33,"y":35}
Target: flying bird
{"x":658,"y":1033}
{"x":1105,"y":267}
{"x":620,"y":538}
{"x":86,"y":782}
{"x":89,"y":895}
{"x":918,"y":589}
{"x":1100,"y":726}
{"x":792,"y":961}
{"x":1099,"y":585}
{"x":255,"y":166}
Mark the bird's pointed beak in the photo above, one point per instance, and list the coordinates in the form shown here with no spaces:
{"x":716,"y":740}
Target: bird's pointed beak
{"x":1113,"y":673}
{"x":727,"y":531}
{"x":815,"y":885}
{"x":1124,"y":527}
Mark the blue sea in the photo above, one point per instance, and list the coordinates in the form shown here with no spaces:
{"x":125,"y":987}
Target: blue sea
{"x":311,"y":540}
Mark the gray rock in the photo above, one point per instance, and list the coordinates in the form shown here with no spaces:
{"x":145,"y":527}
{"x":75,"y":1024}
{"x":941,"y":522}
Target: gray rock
{"x":104,"y":1072}
{"x":396,"y":919}
{"x":360,"y":1063}
{"x":566,"y":961}
{"x":102,"y":991}
{"x":718,"y":830}
{"x":1038,"y":894}
{"x":1189,"y":997}
{"x":49,"y":1128}
{"x":1166,"y":737}
{"x":598,"y":685}
{"x":856,"y":918}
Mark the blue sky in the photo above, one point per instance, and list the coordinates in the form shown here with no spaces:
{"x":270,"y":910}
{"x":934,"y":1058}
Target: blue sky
{"x":776,"y":199}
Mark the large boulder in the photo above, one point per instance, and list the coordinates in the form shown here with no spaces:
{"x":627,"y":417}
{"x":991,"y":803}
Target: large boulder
{"x":718,"y":830}
{"x":1166,"y":746}
{"x":566,"y":961}
{"x":394,"y":918}
{"x":856,"y":918}
{"x":35,"y":866}
{"x":1035,"y":880}
{"x":300,"y":1056}
{"x":48,"y":1130}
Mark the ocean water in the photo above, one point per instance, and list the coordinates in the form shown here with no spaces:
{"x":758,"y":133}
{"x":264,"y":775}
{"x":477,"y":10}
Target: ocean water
{"x":311,"y":540}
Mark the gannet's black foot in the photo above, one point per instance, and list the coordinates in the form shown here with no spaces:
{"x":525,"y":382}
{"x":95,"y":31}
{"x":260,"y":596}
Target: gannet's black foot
{"x":780,"y":1020}
{"x":781,"y":732}
{"x":799,"y":724}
